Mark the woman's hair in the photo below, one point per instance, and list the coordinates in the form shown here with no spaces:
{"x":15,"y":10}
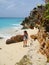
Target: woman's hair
{"x":25,"y":32}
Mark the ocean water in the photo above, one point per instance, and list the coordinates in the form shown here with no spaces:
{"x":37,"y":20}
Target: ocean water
{"x":9,"y":26}
{"x":10,"y":22}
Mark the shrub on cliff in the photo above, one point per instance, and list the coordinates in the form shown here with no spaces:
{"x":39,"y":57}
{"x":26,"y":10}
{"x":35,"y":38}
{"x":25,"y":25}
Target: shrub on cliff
{"x":39,"y":15}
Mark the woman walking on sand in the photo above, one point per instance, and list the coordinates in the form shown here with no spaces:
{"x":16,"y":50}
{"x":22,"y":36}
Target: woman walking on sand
{"x":25,"y":38}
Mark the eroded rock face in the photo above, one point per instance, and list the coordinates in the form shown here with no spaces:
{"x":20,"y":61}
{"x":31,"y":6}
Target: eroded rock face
{"x":43,"y":39}
{"x":15,"y":39}
{"x":33,"y":37}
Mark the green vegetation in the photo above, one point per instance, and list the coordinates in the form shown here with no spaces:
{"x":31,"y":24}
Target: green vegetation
{"x":39,"y":17}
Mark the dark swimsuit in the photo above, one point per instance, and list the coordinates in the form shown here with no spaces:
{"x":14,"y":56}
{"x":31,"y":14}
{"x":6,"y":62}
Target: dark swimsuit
{"x":25,"y":37}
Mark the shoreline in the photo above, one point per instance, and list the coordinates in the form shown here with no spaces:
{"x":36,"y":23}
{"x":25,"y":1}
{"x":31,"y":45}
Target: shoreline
{"x":10,"y":31}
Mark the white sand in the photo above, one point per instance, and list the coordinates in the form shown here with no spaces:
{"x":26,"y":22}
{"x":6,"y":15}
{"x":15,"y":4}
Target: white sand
{"x":12,"y":53}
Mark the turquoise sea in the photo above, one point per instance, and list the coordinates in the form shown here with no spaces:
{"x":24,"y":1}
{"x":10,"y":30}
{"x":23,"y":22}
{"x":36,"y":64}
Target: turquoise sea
{"x":7,"y":22}
{"x":9,"y":26}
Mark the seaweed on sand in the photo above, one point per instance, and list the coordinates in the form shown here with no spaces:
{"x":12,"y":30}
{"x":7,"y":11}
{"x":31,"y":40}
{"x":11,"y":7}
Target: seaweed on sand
{"x":24,"y":61}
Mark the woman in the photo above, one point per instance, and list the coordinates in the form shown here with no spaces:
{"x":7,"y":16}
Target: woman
{"x":25,"y":38}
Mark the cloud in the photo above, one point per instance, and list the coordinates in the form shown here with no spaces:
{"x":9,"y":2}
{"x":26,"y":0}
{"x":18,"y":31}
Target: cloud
{"x":4,"y":2}
{"x":10,"y":6}
{"x":17,"y":7}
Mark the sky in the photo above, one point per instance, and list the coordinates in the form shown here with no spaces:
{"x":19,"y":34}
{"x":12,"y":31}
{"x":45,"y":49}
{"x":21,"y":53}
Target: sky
{"x":17,"y":8}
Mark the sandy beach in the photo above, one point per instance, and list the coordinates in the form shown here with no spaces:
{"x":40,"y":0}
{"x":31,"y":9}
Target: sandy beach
{"x":24,"y":32}
{"x":13,"y":53}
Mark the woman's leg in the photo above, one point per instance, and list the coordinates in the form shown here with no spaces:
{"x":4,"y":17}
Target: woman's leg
{"x":25,"y":43}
